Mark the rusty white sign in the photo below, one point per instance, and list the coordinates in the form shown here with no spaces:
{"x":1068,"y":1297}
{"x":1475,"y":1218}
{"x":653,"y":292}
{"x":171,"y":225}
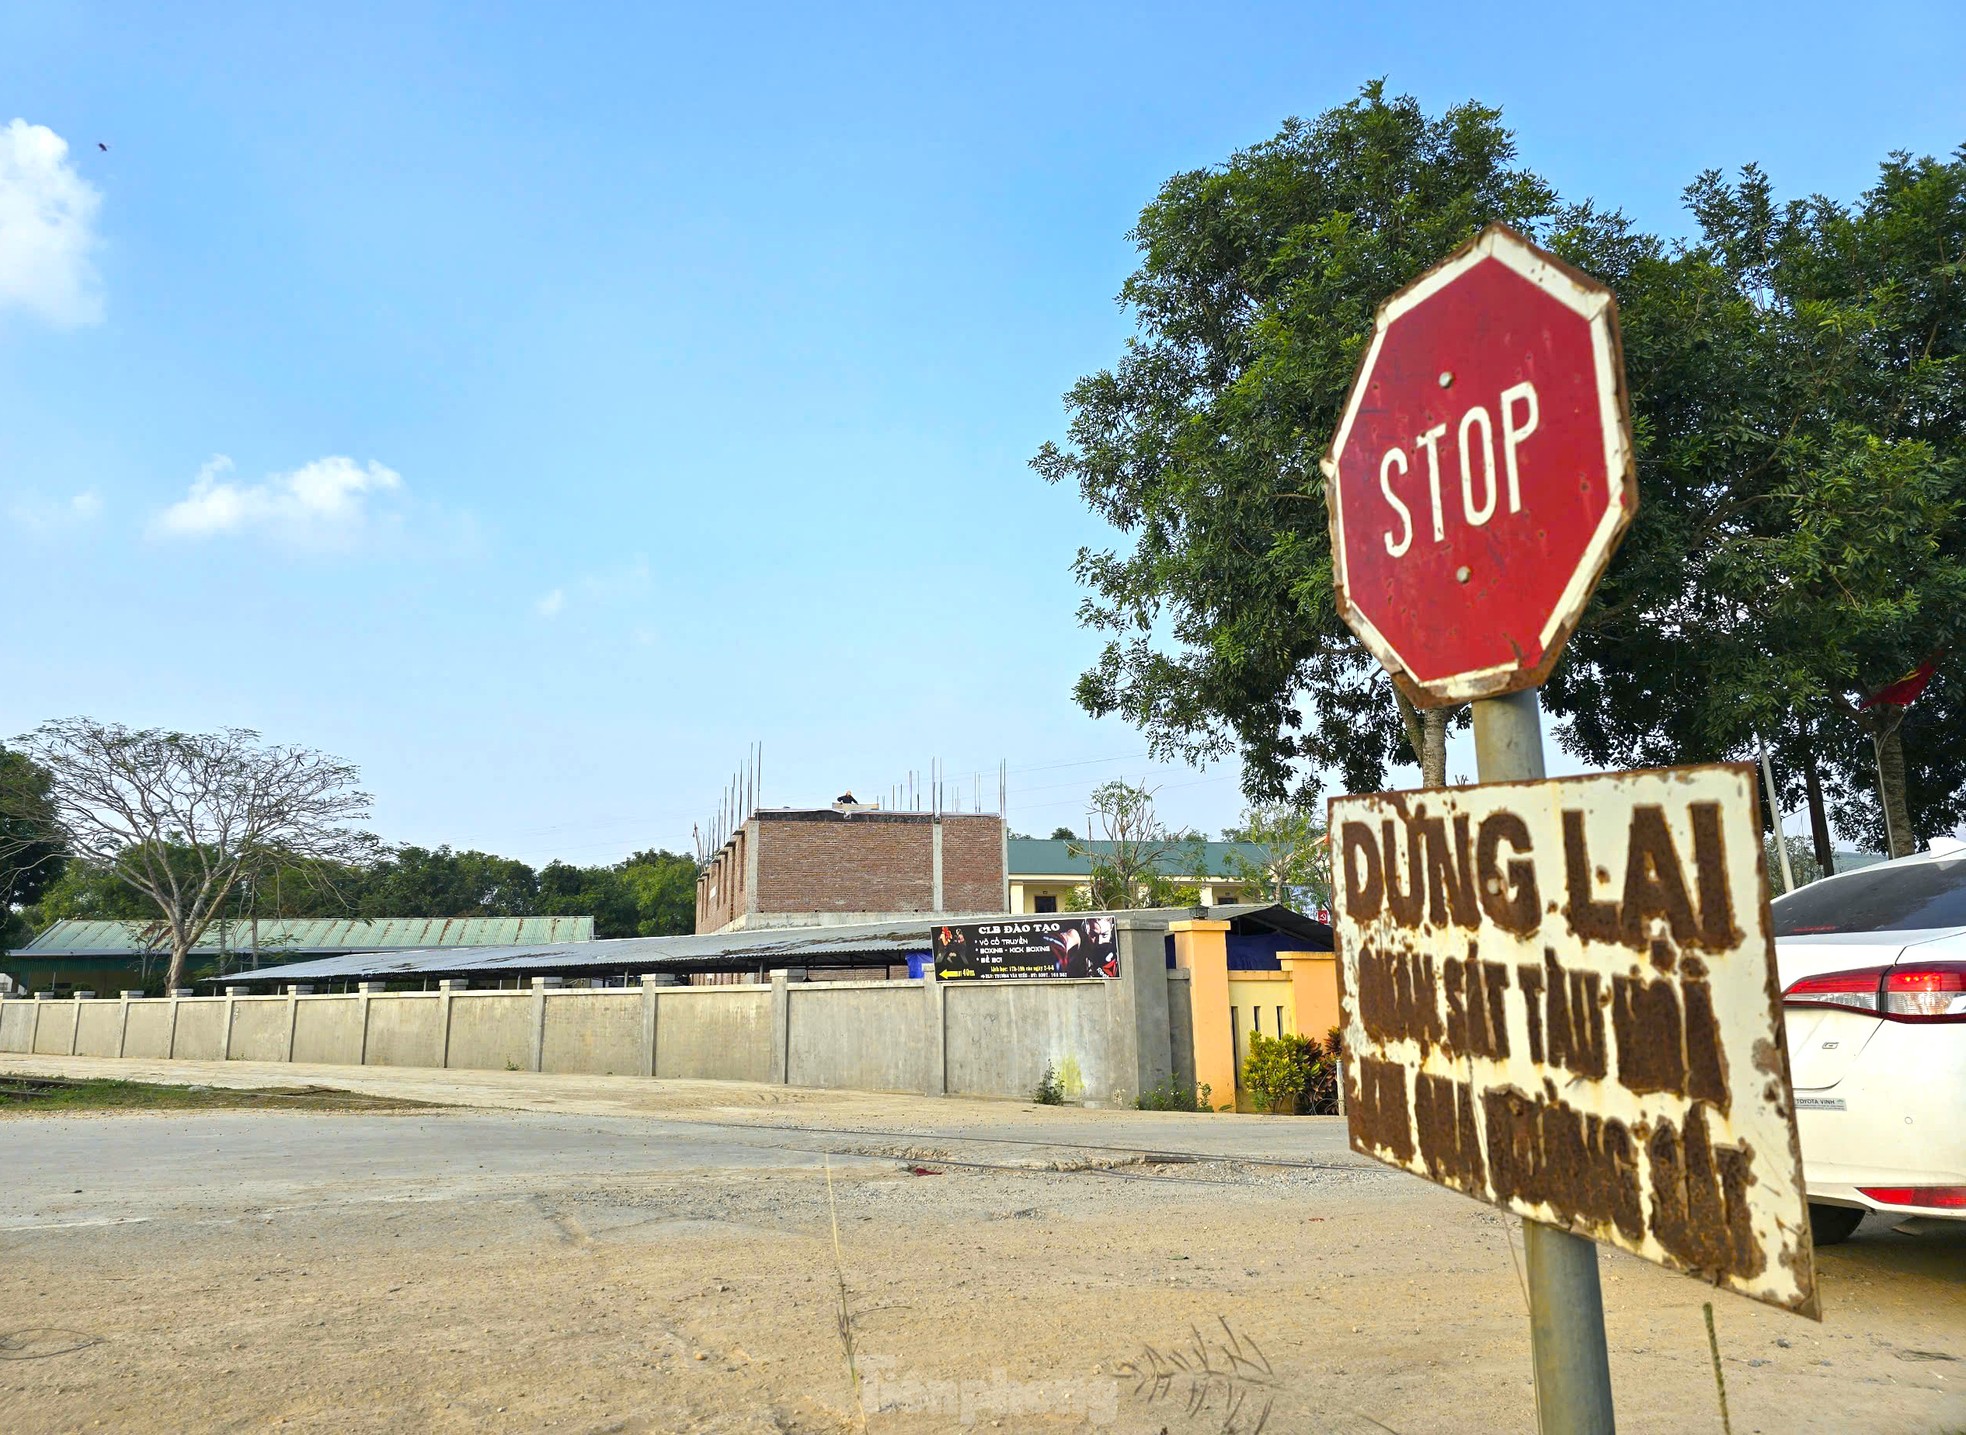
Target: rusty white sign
{"x":1560,"y":998}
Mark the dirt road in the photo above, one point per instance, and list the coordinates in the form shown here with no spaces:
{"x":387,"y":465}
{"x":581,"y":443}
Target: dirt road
{"x":611,"y":1254}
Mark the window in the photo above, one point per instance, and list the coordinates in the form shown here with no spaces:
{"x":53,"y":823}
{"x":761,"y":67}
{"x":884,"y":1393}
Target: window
{"x":1279,"y":1021}
{"x":1045,"y":903}
{"x":1235,"y":1042}
{"x":1892,"y":899}
{"x":1256,"y":1019}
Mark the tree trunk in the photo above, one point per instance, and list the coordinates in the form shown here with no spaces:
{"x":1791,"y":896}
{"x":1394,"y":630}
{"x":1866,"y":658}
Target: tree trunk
{"x":1890,"y":751}
{"x":174,"y":974}
{"x":1409,"y":719}
{"x":1433,"y":756}
{"x":1426,"y":734}
{"x":1812,"y":783}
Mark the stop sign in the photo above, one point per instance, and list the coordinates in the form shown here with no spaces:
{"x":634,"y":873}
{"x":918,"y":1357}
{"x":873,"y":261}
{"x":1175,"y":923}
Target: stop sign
{"x":1481,"y":474}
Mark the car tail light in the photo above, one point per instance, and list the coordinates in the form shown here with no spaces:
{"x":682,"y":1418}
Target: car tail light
{"x":1915,"y":992}
{"x":1941,"y":1198}
{"x":1929,"y":991}
{"x":1856,"y":990}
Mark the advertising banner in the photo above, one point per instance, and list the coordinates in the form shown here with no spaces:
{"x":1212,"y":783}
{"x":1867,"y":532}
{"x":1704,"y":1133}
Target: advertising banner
{"x":1026,"y":947}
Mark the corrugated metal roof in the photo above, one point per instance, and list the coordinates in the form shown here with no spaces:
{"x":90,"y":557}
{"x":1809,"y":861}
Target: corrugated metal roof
{"x":770,"y":946}
{"x":1053,"y":857}
{"x":73,"y":937}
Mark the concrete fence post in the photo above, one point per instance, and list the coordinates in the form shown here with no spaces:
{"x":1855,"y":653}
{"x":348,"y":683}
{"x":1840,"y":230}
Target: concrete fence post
{"x":75,"y":1028}
{"x":294,"y":993}
{"x":231,"y":1011}
{"x":781,"y":1025}
{"x":123,"y":1030}
{"x":34,"y":1027}
{"x":936,"y":1049}
{"x":540,"y":986}
{"x":366,"y":992}
{"x":651,"y":1009}
{"x":1202,"y":948}
{"x":449,"y":986}
{"x":177,"y":997}
{"x":1143,"y":1055}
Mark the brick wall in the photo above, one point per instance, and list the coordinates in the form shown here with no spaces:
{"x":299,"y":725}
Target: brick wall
{"x":720,"y":891}
{"x":972,"y":864}
{"x":830,"y":861}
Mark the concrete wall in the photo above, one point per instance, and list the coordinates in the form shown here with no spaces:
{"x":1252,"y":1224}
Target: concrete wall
{"x":406,"y":1031}
{"x":720,"y":1033}
{"x":491,"y":1031}
{"x":17,"y":1025}
{"x":147,"y":1029}
{"x":1000,"y":1036}
{"x":599,"y":1032}
{"x":988,"y":1038}
{"x":100,"y":1029}
{"x":868,"y":1036}
{"x":326,"y":1030}
{"x":1180,"y":1030}
{"x":56,"y":1028}
{"x":260,"y":1027}
{"x":200,"y":1030}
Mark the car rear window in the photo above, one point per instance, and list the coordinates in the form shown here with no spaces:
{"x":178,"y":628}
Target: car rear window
{"x":1897,"y":899}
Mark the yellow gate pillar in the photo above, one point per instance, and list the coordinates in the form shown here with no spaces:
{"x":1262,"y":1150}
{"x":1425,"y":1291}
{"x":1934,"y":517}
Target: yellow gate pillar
{"x":1313,"y":990}
{"x":1202,"y":950}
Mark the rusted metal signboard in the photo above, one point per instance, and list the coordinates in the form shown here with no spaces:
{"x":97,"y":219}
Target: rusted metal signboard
{"x":1560,"y":998}
{"x":1481,"y":472}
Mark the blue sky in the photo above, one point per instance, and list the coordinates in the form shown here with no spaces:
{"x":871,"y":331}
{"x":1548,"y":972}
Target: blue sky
{"x":536,"y":405}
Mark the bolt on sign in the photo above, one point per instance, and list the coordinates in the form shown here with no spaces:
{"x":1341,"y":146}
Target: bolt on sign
{"x":1481,"y":472}
{"x":1560,"y":997}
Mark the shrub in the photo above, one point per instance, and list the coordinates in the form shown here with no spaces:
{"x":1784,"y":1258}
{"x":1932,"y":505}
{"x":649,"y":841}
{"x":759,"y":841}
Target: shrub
{"x":1050,"y":1090}
{"x":1171,"y":1095}
{"x":1321,"y":1094}
{"x":1279,"y":1070}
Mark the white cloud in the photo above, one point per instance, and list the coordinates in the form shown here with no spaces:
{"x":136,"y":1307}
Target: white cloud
{"x":329,"y":503}
{"x":41,"y":515}
{"x":605,"y":588}
{"x":47,"y":228}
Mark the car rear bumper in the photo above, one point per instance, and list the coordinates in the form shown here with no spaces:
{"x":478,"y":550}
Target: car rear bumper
{"x":1895,"y":1118}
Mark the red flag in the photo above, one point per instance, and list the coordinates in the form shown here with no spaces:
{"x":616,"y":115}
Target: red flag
{"x":1901,"y":693}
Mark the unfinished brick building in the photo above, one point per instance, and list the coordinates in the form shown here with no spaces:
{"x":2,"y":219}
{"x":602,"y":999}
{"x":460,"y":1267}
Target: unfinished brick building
{"x":796,"y":866}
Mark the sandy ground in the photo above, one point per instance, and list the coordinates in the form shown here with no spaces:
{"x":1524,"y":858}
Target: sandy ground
{"x":610,"y":1254}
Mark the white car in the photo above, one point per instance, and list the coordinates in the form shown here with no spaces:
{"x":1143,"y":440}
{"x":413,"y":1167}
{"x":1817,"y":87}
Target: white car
{"x":1873,"y":972}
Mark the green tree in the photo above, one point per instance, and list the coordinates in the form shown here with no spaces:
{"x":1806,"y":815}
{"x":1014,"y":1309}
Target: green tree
{"x":1799,"y":407}
{"x":664,"y":886}
{"x":1292,"y":858}
{"x":1130,"y":863}
{"x":424,"y":882}
{"x":30,"y":859}
{"x":183,"y":818}
{"x":1254,"y":300}
{"x":1062,"y":834}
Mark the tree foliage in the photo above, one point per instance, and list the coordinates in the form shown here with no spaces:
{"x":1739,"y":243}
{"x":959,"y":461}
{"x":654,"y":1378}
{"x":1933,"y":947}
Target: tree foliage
{"x":1291,"y":860}
{"x":1798,"y":382}
{"x":31,"y":857}
{"x":1254,"y":299}
{"x":1800,"y":405}
{"x":650,"y":894}
{"x":183,"y":818}
{"x":1130,"y":865}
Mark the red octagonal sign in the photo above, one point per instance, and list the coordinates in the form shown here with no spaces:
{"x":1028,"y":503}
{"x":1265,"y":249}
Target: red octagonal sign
{"x":1482,"y":473}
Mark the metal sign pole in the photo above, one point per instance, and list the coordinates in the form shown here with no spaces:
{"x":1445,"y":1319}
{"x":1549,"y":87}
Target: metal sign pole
{"x":1566,"y":1303}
